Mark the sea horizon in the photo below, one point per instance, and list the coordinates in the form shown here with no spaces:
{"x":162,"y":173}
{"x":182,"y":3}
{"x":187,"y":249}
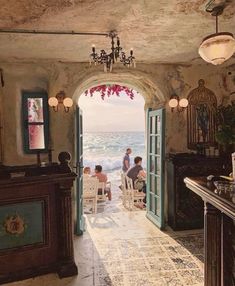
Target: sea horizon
{"x":133,"y":131}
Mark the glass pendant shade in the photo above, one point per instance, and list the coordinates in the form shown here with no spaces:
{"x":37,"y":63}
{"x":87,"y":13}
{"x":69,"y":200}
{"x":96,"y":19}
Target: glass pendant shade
{"x":173,"y":102}
{"x":217,"y":48}
{"x":53,"y":101}
{"x":68,"y":102}
{"x":183,"y":102}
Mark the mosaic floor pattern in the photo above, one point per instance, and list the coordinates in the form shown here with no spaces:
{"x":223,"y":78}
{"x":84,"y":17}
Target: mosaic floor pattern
{"x":123,"y":248}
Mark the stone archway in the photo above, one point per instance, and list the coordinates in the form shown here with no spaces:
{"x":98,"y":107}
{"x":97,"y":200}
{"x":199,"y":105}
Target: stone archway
{"x":137,"y":80}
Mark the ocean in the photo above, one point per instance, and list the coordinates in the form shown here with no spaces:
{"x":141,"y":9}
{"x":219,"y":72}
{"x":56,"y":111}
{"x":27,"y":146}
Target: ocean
{"x":108,"y":148}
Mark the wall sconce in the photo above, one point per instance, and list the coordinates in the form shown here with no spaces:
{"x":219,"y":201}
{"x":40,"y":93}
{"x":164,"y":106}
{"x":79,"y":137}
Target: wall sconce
{"x":60,"y":99}
{"x":179,"y":104}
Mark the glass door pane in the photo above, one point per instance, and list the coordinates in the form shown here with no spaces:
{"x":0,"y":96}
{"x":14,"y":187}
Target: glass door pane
{"x":155,"y":168}
{"x":79,"y":164}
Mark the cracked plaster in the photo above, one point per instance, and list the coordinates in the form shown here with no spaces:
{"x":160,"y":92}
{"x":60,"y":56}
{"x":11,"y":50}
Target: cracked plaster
{"x":159,"y":31}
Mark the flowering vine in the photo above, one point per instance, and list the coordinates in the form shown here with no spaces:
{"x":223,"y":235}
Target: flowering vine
{"x":109,"y":90}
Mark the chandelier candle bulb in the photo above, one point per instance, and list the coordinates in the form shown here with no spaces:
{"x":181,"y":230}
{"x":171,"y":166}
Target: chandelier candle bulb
{"x":93,"y":48}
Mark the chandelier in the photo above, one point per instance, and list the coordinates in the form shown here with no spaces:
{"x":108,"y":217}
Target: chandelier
{"x":116,"y":54}
{"x":219,"y":47}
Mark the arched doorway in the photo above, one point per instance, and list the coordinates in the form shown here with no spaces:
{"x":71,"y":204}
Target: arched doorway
{"x":154,"y":134}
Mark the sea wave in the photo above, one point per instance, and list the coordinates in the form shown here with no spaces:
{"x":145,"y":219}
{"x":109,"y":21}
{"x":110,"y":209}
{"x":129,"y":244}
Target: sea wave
{"x":107,"y":164}
{"x":108,"y":149}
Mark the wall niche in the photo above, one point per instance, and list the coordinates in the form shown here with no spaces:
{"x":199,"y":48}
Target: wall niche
{"x":201,"y":117}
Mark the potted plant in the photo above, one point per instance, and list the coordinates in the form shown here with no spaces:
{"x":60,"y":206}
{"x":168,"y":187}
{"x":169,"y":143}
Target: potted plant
{"x":225,"y":135}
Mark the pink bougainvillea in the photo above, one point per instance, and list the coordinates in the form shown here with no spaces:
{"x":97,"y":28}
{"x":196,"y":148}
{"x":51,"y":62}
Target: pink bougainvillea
{"x":109,"y":90}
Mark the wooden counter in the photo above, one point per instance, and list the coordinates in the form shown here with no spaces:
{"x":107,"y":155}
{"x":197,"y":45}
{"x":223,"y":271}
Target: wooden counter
{"x":219,"y":234}
{"x":36,"y":231}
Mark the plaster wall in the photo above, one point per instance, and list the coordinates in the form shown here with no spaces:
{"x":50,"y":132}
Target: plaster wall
{"x":155,"y":82}
{"x":1,"y":129}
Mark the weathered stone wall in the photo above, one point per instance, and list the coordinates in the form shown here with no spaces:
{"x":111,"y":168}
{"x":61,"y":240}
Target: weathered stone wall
{"x":1,"y":129}
{"x":155,"y":82}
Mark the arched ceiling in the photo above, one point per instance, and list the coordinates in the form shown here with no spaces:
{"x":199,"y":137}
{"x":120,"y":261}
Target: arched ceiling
{"x":160,"y":31}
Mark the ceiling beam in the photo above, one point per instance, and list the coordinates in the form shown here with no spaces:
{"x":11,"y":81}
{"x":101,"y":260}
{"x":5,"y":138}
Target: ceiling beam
{"x":44,"y":32}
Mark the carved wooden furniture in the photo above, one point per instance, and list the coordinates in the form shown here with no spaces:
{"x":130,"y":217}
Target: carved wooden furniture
{"x":185,"y":209}
{"x":219,"y":232}
{"x":90,"y":192}
{"x":201,"y":116}
{"x":36,"y":230}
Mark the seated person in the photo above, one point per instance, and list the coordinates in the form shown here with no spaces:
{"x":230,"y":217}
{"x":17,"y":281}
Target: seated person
{"x":138,"y":176}
{"x":140,"y":182}
{"x":103,"y":179}
{"x":134,"y":171}
{"x":86,"y":172}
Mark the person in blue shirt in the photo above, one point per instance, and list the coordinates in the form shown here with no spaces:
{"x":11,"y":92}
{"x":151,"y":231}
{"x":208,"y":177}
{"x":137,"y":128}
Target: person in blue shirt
{"x":126,"y":160}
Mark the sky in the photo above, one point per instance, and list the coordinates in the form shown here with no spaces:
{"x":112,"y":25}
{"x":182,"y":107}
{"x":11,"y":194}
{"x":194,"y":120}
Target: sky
{"x":113,"y":113}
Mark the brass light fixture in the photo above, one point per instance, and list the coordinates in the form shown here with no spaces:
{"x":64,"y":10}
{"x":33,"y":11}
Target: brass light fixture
{"x":219,"y":47}
{"x":60,"y":98}
{"x":178,"y":104}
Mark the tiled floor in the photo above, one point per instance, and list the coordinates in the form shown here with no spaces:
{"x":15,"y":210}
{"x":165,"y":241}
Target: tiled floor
{"x":122,"y":248}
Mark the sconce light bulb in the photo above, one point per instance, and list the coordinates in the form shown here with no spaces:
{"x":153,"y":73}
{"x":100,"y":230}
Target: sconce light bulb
{"x":68,"y":102}
{"x":173,"y":103}
{"x":53,"y":101}
{"x":183,"y":102}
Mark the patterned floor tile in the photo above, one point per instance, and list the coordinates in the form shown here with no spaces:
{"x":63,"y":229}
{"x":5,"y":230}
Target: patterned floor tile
{"x":160,"y":263}
{"x":184,"y":262}
{"x":191,"y":276}
{"x":154,"y":251}
{"x":176,"y":250}
{"x":136,"y":266}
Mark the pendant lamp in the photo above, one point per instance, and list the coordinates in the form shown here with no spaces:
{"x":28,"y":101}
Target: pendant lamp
{"x":218,"y":47}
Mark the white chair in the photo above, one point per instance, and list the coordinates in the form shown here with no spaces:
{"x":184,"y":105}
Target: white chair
{"x":126,"y":195}
{"x":101,"y":196}
{"x":90,"y":190}
{"x":134,"y":196}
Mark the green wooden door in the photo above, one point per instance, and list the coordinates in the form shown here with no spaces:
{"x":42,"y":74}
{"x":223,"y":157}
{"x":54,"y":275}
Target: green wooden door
{"x":155,"y":166}
{"x":80,"y":225}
